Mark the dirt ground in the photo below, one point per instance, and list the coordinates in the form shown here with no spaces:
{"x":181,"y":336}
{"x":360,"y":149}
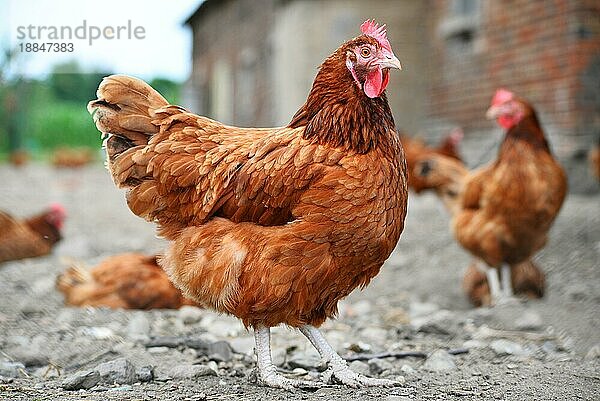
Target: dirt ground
{"x":547,"y":349}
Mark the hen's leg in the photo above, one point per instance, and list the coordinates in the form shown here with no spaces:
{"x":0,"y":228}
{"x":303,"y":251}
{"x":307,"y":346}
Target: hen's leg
{"x":507,"y":289}
{"x":338,"y":370}
{"x":494,"y":284}
{"x":267,"y":372}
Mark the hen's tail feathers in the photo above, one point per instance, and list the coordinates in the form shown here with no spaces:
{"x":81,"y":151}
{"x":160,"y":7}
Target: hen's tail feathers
{"x":125,"y":109}
{"x":74,"y":276}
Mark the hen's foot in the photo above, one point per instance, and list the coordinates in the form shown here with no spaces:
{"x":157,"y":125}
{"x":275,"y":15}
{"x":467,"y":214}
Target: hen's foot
{"x":277,"y":380}
{"x":356,"y":380}
{"x":267,"y":372}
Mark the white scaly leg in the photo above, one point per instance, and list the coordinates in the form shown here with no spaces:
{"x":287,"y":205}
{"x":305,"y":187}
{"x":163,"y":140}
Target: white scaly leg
{"x":494,"y":284}
{"x":267,"y":372}
{"x":338,"y":368}
{"x":507,"y":289}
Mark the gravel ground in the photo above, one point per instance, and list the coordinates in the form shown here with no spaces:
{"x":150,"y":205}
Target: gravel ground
{"x":547,"y":349}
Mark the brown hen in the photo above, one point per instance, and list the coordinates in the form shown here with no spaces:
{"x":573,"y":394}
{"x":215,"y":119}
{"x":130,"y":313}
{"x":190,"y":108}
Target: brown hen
{"x":272,"y":225}
{"x":415,"y":149}
{"x":31,"y":237}
{"x":502,"y":212}
{"x":127,"y":281}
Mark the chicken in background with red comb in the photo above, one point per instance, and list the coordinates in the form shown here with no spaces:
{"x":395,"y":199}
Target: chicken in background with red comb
{"x":417,"y":150}
{"x":30,"y":237}
{"x":502,"y":212}
{"x":272,"y":225}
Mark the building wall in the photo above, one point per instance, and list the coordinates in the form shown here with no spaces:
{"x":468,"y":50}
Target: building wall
{"x":545,"y":51}
{"x":232,"y":61}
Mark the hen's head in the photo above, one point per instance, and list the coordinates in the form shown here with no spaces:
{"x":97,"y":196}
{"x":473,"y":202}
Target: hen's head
{"x":369,"y":58}
{"x":507,"y":109}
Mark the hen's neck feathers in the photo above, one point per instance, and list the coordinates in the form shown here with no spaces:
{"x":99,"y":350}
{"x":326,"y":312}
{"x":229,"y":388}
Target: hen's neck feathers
{"x":528,"y":130}
{"x":338,"y":113}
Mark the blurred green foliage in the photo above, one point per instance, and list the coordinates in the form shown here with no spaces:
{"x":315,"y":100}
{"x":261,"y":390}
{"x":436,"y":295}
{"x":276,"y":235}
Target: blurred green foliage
{"x":40,"y":115}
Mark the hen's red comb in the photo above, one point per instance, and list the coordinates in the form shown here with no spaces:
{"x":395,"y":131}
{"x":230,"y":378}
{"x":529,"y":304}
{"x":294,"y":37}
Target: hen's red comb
{"x":502,"y":96}
{"x":373,"y":29}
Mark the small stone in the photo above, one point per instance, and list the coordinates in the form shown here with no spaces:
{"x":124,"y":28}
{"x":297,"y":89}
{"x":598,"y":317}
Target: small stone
{"x":30,"y":355}
{"x":190,"y":371}
{"x":145,"y":374}
{"x":305,"y":361}
{"x":220,"y":351}
{"x":11,"y":369}
{"x":359,"y":347}
{"x":593,"y":353}
{"x":360,"y":367}
{"x":529,"y":320}
{"x":82,"y":380}
{"x":505,"y":347}
{"x":213,"y":365}
{"x":243,"y":345}
{"x":158,"y":350}
{"x":471,"y":344}
{"x":397,"y":398}
{"x":119,"y":371}
{"x":374,"y":334}
{"x":190,"y":314}
{"x":407,"y":369}
{"x":549,"y":347}
{"x":139,"y":326}
{"x":100,"y":333}
{"x":378,"y":366}
{"x":299,"y":372}
{"x":439,"y":360}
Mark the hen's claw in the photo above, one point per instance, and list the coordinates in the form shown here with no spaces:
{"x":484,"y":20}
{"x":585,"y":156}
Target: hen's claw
{"x":356,"y":380}
{"x":279,"y":381}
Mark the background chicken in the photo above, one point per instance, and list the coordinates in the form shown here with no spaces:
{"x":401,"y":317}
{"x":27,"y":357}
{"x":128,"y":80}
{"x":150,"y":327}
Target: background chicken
{"x":271,"y":225}
{"x":503,"y":211}
{"x":594,"y":158}
{"x":31,"y":237}
{"x":415,"y":149}
{"x":127,"y":281}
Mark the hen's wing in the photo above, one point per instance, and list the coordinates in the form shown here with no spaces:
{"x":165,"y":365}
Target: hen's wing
{"x":18,"y":241}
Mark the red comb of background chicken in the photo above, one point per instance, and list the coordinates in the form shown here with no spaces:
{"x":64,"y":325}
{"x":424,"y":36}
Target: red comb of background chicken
{"x":372,"y":28}
{"x":57,"y":214}
{"x":502,"y":96}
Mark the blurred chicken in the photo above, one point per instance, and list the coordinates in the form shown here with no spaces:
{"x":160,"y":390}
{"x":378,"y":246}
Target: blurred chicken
{"x":71,"y":157}
{"x":415,"y":149}
{"x":127,"y":281}
{"x":19,"y":158}
{"x":31,"y":237}
{"x":502,"y":212}
{"x":526,"y":277}
{"x":594,"y":158}
{"x":272,"y":225}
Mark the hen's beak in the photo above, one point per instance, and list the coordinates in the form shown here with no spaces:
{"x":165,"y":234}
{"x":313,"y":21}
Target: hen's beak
{"x":390,"y":61}
{"x":493,"y":112}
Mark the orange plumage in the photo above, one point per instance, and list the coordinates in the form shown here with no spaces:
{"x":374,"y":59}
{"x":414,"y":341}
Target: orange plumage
{"x":272,"y":225}
{"x":127,"y":281}
{"x":31,"y":237}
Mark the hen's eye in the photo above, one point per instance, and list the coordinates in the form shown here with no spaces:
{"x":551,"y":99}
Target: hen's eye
{"x":365,"y":52}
